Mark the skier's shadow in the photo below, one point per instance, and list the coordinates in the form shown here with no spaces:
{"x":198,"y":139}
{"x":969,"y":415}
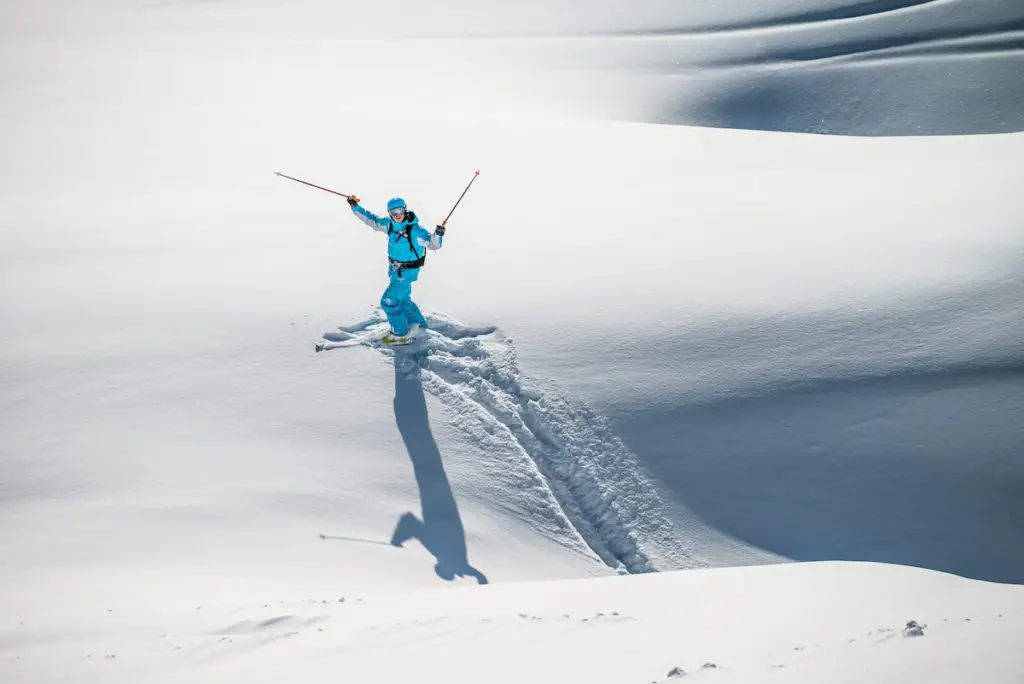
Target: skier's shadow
{"x":440,"y":530}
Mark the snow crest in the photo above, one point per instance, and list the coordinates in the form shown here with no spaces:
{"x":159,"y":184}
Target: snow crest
{"x":601,"y":496}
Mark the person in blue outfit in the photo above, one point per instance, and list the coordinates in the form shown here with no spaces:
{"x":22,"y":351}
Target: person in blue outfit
{"x":408,"y":243}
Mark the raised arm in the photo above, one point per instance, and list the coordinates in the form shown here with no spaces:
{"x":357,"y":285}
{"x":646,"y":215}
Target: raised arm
{"x":430,"y":240}
{"x":370,"y":219}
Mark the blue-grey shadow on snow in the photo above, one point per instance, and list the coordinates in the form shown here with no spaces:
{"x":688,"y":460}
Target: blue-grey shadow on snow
{"x":952,"y":69}
{"x":439,"y":528}
{"x":853,"y":443}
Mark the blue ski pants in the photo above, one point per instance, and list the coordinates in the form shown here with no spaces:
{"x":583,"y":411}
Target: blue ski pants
{"x":397,"y":302}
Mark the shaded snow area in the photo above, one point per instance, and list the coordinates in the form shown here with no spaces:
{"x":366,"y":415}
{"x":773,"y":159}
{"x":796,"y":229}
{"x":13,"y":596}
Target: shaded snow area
{"x":701,"y":396}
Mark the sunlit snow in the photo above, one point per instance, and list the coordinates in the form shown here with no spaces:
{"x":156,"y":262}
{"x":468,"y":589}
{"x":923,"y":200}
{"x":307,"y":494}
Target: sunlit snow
{"x":705,"y":393}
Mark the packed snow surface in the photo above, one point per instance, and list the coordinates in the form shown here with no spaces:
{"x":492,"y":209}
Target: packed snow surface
{"x":663,"y":363}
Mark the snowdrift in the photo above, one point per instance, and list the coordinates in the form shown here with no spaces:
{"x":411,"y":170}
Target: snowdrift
{"x":835,"y":622}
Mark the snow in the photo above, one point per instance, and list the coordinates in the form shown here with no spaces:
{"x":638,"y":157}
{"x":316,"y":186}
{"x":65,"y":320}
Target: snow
{"x":838,"y":622}
{"x":783,"y":371}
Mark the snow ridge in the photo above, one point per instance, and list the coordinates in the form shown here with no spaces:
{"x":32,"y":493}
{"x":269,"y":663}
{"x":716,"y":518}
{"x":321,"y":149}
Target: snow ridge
{"x":589,"y":472}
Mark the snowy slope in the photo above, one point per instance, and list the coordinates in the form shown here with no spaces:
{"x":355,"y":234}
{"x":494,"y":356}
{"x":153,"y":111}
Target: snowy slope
{"x":834,"y":622}
{"x":657,"y":347}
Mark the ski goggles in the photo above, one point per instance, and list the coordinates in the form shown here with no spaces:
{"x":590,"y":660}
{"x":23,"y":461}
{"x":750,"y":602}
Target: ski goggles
{"x":397,"y":212}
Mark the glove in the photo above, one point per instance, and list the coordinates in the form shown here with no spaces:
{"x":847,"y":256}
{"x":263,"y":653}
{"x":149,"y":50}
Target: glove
{"x":439,"y":231}
{"x":352,"y":200}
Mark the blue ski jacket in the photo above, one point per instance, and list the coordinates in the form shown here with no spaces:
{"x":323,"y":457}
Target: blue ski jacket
{"x":408,"y":241}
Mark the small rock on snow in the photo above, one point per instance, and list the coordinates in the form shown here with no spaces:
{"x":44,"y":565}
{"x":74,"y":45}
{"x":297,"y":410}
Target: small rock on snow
{"x":913,"y":629}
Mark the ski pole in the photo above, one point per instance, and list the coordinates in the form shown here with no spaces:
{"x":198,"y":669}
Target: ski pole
{"x":314,"y":185}
{"x":445,"y":222}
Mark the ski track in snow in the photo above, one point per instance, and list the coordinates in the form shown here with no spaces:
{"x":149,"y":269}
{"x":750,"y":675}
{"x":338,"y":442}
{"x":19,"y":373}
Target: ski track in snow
{"x":585,"y":468}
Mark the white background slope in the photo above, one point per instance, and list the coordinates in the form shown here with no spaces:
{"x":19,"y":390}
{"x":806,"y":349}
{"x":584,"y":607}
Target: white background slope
{"x":716,"y":348}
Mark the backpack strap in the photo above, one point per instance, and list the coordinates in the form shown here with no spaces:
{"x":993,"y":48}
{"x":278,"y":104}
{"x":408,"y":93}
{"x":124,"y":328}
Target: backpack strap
{"x":408,"y":236}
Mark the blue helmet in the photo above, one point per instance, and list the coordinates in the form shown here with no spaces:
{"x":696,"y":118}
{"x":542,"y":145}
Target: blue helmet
{"x":396,"y":203}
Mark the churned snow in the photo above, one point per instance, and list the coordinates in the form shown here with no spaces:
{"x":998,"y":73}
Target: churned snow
{"x":725,"y":402}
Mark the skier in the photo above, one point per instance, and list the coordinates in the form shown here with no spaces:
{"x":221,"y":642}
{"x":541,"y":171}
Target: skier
{"x":408,"y":243}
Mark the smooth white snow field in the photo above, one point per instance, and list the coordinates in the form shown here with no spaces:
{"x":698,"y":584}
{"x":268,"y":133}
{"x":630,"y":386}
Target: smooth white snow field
{"x":701,"y":385}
